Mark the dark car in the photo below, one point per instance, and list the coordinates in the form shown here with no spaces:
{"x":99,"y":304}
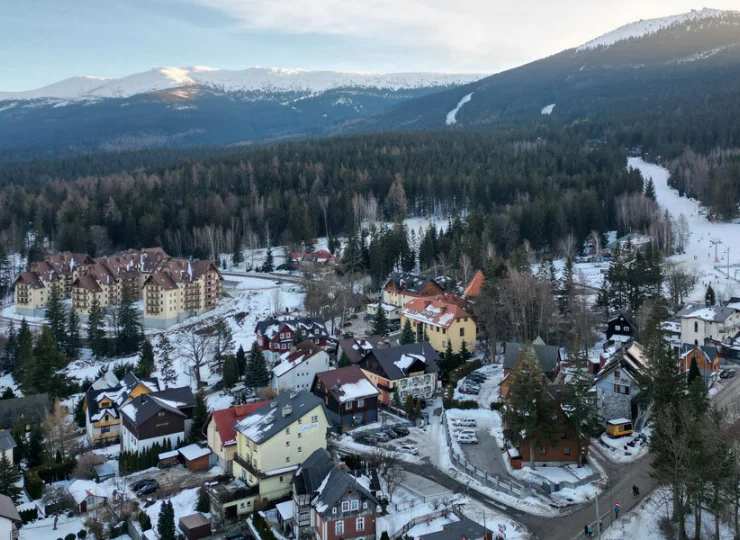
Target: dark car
{"x":347,"y":324}
{"x":136,"y":486}
{"x":401,"y":431}
{"x":148,"y":488}
{"x":731,"y":373}
{"x":392,"y":434}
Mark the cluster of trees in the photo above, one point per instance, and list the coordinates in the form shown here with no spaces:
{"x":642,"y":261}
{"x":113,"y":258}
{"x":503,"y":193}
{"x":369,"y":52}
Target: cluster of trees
{"x":130,"y":462}
{"x":633,"y":277}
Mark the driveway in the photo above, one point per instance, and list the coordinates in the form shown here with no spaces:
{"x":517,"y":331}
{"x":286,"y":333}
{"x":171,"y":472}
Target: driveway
{"x":485,"y":455}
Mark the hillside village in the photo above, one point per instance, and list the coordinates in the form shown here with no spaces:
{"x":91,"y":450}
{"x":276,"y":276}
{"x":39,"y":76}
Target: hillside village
{"x":149,"y":395}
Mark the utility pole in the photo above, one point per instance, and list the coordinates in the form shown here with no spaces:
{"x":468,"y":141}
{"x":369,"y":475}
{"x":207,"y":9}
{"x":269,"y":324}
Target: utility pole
{"x":715,"y":242}
{"x":598,"y":519}
{"x":728,"y":262}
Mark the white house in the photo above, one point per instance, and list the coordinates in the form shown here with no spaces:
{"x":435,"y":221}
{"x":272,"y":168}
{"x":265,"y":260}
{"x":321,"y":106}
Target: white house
{"x":7,"y":443}
{"x":157,"y":418}
{"x":616,"y":383}
{"x":700,"y":322}
{"x":87,"y":495}
{"x":10,"y":520}
{"x":298,"y":367}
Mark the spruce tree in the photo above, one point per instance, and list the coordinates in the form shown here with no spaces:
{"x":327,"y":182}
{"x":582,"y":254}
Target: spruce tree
{"x":464,"y":353}
{"x":145,"y":365}
{"x":223,"y":343}
{"x":166,"y":522}
{"x":581,"y":400}
{"x":237,"y":257}
{"x":55,"y":314}
{"x":35,"y":447}
{"x":24,"y":355}
{"x":380,"y":323}
{"x":257,"y":375}
{"x":200,"y":417}
{"x":650,"y":189}
{"x":241,"y":360}
{"x":6,"y":274}
{"x":409,"y":407}
{"x":130,"y":331}
{"x":407,"y":335}
{"x":710,"y":298}
{"x":204,"y":502}
{"x":568,"y":287}
{"x":9,"y":476}
{"x":344,"y":361}
{"x":72,"y":341}
{"x":79,"y":414}
{"x":694,"y":372}
{"x":42,"y":376}
{"x":96,"y":328}
{"x":268,"y":265}
{"x":10,"y":351}
{"x":166,"y":361}
{"x":21,"y":443}
{"x":396,"y":399}
{"x":231,"y":372}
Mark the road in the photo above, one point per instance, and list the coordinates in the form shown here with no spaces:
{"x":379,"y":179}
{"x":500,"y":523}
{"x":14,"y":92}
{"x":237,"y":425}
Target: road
{"x":621,"y":478}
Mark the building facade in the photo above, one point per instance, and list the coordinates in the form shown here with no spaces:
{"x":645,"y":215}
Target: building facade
{"x":276,"y":336}
{"x":220,"y":431}
{"x":406,"y":369}
{"x":403,"y":286}
{"x":298,"y":367}
{"x":350,"y":398}
{"x":714,"y":323}
{"x":442,"y":319}
{"x":158,"y":418}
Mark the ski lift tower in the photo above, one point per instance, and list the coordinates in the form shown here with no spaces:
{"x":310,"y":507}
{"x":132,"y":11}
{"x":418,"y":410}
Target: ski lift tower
{"x":715,"y":242}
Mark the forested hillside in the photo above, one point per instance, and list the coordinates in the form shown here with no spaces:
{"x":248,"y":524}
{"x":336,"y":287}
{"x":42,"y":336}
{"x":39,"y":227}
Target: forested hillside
{"x":528,"y":185}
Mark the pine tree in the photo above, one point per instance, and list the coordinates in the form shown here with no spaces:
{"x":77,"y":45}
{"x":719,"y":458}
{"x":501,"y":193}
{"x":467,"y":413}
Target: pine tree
{"x":409,"y":407}
{"x":21,"y":443}
{"x":200,"y":417}
{"x":231,"y":372}
{"x":41,"y":375}
{"x":9,"y":476}
{"x":344,"y":361}
{"x":79,"y":414}
{"x":407,"y":335}
{"x":694,"y":372}
{"x":10,"y":351}
{"x":380,"y":323}
{"x":241,"y":360}
{"x":448,"y":362}
{"x":204,"y":502}
{"x":166,"y":360}
{"x":464,"y":353}
{"x":567,"y":289}
{"x":72,"y":341}
{"x":24,"y":354}
{"x":650,"y":189}
{"x":35,"y":447}
{"x":96,"y":328}
{"x":237,"y":257}
{"x":6,"y":274}
{"x":146,"y":360}
{"x":710,"y":298}
{"x":55,"y":315}
{"x":581,"y":400}
{"x":268,"y":265}
{"x":257,"y":375}
{"x":130,"y":331}
{"x":396,"y":399}
{"x":223,"y":343}
{"x":166,"y":522}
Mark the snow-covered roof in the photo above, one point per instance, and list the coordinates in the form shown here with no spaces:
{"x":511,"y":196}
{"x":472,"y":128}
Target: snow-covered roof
{"x":619,"y":421}
{"x":82,"y":489}
{"x":437,"y":310}
{"x":268,"y":420}
{"x":193,"y":451}
{"x":285,"y":509}
{"x":347,"y":384}
{"x":716,"y":314}
{"x":169,"y":455}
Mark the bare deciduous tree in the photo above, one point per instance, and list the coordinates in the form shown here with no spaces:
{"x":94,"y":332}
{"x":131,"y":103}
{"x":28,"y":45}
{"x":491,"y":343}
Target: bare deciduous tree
{"x":196,"y":347}
{"x":466,"y":267}
{"x":679,"y":281}
{"x":390,"y":472}
{"x":567,"y":246}
{"x":58,"y":498}
{"x":277,"y":301}
{"x":85,"y":467}
{"x":60,"y":432}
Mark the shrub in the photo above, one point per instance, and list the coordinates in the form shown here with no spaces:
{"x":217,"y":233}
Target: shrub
{"x":82,"y":534}
{"x":32,"y":514}
{"x":496,"y":405}
{"x":454,"y":404}
{"x":70,"y":536}
{"x":262,"y":527}
{"x":34,"y":484}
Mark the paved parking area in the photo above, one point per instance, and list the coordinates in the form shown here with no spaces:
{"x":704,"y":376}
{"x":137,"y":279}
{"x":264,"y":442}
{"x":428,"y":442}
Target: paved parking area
{"x":486,"y":454}
{"x":175,"y":479}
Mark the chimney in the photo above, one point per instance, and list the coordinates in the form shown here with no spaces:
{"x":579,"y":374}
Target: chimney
{"x":287,"y":409}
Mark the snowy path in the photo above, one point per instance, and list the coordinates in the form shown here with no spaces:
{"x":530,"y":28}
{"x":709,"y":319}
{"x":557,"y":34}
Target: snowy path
{"x":699,"y":252}
{"x":452,"y":115}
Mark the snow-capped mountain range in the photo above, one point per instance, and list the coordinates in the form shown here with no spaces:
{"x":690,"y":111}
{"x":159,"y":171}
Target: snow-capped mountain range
{"x":264,"y":80}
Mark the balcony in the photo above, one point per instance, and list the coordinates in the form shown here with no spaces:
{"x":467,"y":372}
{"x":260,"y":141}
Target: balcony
{"x":248,"y":467}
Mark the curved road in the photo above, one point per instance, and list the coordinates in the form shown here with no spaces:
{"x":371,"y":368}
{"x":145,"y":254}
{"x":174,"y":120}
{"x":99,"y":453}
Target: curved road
{"x":569,"y":526}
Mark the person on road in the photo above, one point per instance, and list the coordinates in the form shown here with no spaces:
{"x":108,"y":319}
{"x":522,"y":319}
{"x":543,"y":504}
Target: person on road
{"x":617,"y":508}
{"x":635,"y":491}
{"x":585,"y":529}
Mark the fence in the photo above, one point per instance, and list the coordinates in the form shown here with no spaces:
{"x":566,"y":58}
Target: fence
{"x":426,"y":518}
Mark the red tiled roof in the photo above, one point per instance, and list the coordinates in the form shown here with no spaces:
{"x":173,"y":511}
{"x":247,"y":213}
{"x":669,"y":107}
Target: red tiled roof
{"x":30,"y":278}
{"x":439,"y":310}
{"x":338,"y":378}
{"x":226,"y":418}
{"x":475,"y":285}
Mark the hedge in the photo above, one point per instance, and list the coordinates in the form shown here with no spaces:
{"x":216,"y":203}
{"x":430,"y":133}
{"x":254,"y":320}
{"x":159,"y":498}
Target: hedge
{"x":455,"y":375}
{"x":262,"y":527}
{"x":34,"y":484}
{"x":32,"y":514}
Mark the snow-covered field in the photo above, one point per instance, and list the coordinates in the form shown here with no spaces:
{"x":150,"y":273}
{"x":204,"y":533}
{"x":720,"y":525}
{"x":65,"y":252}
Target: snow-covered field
{"x":618,"y":451}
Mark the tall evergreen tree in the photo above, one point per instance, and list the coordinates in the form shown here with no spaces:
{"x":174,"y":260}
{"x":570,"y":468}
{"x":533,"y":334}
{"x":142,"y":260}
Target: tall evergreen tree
{"x":130,"y":331}
{"x":344,"y":361}
{"x":10,"y":351}
{"x":9,"y":477}
{"x":407,"y":335}
{"x":710,"y":298}
{"x":268,"y":265}
{"x":694,"y":373}
{"x":200,"y":417}
{"x":650,"y":189}
{"x":241,"y":360}
{"x":47,"y":359}
{"x":238,"y":256}
{"x":145,"y":366}
{"x":464,"y":353}
{"x":6,"y":274}
{"x":380,"y":323}
{"x":581,"y":400}
{"x":24,"y":355}
{"x":56,"y":316}
{"x":35,"y":447}
{"x":166,"y":521}
{"x":72,"y":341}
{"x":96,"y":328}
{"x":256,"y":375}
{"x":166,"y":360}
{"x":223,"y":343}
{"x":231,"y":372}
{"x":567,"y":288}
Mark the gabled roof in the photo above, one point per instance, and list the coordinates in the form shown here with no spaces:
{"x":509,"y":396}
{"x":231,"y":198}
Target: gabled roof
{"x":270,"y":327}
{"x":463,"y":529}
{"x":347,"y":384}
{"x":710,"y":353}
{"x":8,"y":510}
{"x":291,"y":359}
{"x":475,"y":286}
{"x":716,"y":314}
{"x":408,"y":282}
{"x":627,"y":314}
{"x":31,"y":409}
{"x":398,"y":362}
{"x":107,"y":380}
{"x":82,"y":489}
{"x":267,"y":421}
{"x":548,"y":355}
{"x":356,"y":348}
{"x":440,"y":310}
{"x":87,"y":282}
{"x":6,"y":440}
{"x":634,"y":360}
{"x":173,"y":400}
{"x":312,"y":472}
{"x":226,"y":418}
{"x":29,"y":278}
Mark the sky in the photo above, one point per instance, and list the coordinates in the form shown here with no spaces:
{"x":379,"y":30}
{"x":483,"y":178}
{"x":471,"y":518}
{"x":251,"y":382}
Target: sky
{"x":44,"y":41}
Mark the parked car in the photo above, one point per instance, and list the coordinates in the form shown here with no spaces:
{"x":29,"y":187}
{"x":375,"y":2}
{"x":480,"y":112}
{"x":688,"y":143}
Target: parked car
{"x":347,"y":324}
{"x":148,"y":488}
{"x":467,"y":422}
{"x":408,"y":449}
{"x":466,"y":432}
{"x":731,"y":373}
{"x":391,"y":434}
{"x":727,"y":374}
{"x":278,"y":282}
{"x":469,"y":390}
{"x":467,"y":439}
{"x":380,"y":436}
{"x":136,"y":486}
{"x":401,"y":431}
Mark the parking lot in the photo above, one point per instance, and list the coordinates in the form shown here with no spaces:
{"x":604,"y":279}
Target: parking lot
{"x":174,"y":479}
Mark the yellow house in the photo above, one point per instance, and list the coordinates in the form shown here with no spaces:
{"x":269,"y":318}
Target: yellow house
{"x":272,"y":442}
{"x":31,"y":294}
{"x":444,"y":318}
{"x":221,"y":434}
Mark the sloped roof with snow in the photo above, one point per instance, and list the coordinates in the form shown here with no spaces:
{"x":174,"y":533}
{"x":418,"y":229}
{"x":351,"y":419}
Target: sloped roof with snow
{"x":226,"y":418}
{"x":347,"y":384}
{"x":267,"y":421}
{"x":440,"y":310}
{"x":395,"y":362}
{"x":717,"y":314}
{"x":408,"y":282}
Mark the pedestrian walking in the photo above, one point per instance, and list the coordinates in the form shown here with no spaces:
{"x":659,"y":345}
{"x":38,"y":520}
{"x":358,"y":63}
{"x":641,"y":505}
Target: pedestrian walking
{"x":617,"y":508}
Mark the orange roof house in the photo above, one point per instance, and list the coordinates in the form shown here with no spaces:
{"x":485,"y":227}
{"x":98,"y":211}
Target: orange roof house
{"x":474,"y":287}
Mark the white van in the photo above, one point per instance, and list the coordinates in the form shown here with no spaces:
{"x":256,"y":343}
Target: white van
{"x":467,"y":422}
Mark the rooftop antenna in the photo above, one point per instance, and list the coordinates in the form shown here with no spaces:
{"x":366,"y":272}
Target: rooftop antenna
{"x":715,"y":242}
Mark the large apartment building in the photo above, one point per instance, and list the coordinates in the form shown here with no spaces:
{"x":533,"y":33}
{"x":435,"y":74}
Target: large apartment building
{"x":442,"y":319}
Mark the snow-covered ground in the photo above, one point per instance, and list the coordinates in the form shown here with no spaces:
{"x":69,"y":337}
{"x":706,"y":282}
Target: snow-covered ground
{"x":183,"y":503}
{"x":452,"y":115}
{"x":617,"y":449}
{"x":43,"y":529}
{"x":700,"y":254}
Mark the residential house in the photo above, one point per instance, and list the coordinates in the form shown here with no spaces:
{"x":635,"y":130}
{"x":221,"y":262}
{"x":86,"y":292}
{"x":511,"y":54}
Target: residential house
{"x":156,"y":418}
{"x":355,"y":348}
{"x":297,"y":367}
{"x":403,"y":286}
{"x":392,"y":313}
{"x":329,"y":503}
{"x":31,"y":294}
{"x":700,"y":323}
{"x":556,"y":445}
{"x":475,"y":286}
{"x":617,"y":385}
{"x":87,"y":495}
{"x":314,"y":258}
{"x":457,"y":530}
{"x":276,"y":336}
{"x":707,"y":360}
{"x":445,"y":318}
{"x":350,"y":398}
{"x":622,"y":327}
{"x":27,"y":411}
{"x":7,"y":443}
{"x":408,"y":369}
{"x":10,"y":520}
{"x":272,"y":443}
{"x":220,"y":431}
{"x":551,"y":359}
{"x":180,"y":289}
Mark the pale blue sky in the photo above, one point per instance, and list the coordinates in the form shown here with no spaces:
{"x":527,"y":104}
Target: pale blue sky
{"x":43,"y":41}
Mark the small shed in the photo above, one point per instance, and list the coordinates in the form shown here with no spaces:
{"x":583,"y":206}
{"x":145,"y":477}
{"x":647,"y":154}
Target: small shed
{"x":195,"y":526}
{"x":168,"y":459}
{"x":285,"y":515}
{"x":104,"y":471}
{"x":87,"y":495}
{"x":196,"y":458}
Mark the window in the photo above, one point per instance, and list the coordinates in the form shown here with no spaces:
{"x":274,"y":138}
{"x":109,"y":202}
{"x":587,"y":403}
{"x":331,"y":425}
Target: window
{"x":566,"y":451}
{"x":282,"y":335}
{"x":364,"y":505}
{"x":287,"y":459}
{"x":617,"y":375}
{"x":348,"y":406}
{"x":314,"y":419}
{"x":360,"y":403}
{"x":617,"y":327}
{"x":287,"y":444}
{"x":355,"y":504}
{"x":345,"y":506}
{"x":287,"y":431}
{"x":299,"y":449}
{"x":444,"y":331}
{"x":105,"y":429}
{"x":617,"y":389}
{"x":281,"y":479}
{"x":316,"y":332}
{"x":462,"y":332}
{"x":299,"y":434}
{"x":334,"y":510}
{"x":543,"y":451}
{"x":360,"y":524}
{"x":339,"y":527}
{"x":696,"y":326}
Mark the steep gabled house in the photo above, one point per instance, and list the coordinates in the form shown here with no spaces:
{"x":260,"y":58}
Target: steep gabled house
{"x":28,"y":411}
{"x":329,"y":503}
{"x":355,"y":348}
{"x":220,"y":431}
{"x":617,"y":383}
{"x":551,"y":358}
{"x":297,"y":367}
{"x":707,"y":360}
{"x":403,"y":286}
{"x":442,"y":319}
{"x":276,"y":336}
{"x":31,"y":293}
{"x":409,"y":369}
{"x":622,"y":327}
{"x":350,"y":398}
{"x":156,"y":418}
{"x":700,"y":323}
